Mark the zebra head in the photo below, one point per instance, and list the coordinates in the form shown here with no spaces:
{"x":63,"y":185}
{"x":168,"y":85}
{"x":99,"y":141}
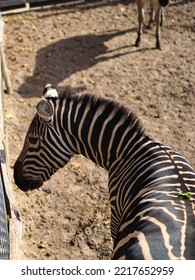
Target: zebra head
{"x":42,"y":154}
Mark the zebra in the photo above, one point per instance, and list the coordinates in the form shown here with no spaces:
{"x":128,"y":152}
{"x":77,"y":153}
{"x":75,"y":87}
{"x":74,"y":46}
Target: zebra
{"x":157,"y":14}
{"x":151,"y":186}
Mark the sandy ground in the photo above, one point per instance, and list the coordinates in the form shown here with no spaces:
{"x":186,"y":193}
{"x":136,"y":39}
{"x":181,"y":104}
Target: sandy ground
{"x":90,"y":48}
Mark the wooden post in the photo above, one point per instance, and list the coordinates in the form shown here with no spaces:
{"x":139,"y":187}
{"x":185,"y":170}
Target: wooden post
{"x":4,"y":69}
{"x":15,"y":225}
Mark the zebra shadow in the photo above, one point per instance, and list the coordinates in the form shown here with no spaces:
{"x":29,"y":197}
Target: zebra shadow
{"x":59,"y":60}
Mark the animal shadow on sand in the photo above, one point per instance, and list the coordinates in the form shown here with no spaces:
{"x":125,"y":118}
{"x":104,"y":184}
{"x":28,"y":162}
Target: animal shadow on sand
{"x":59,"y":60}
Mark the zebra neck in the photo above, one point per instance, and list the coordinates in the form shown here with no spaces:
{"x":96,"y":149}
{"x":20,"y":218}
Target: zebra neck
{"x":101,"y":129}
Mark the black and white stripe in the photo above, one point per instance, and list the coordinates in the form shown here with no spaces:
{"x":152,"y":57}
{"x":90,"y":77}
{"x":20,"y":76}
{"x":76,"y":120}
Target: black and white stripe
{"x":148,"y":219}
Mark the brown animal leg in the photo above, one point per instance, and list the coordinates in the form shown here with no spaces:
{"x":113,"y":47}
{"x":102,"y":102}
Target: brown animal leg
{"x":152,"y":17}
{"x":140,"y":21}
{"x":158,"y":17}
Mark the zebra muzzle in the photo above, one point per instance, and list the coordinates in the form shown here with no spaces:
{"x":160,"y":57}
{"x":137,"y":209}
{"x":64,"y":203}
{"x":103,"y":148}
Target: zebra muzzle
{"x":24,"y":182}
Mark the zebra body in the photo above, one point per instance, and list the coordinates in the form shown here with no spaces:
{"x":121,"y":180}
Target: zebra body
{"x":148,"y":219}
{"x":157,"y":16}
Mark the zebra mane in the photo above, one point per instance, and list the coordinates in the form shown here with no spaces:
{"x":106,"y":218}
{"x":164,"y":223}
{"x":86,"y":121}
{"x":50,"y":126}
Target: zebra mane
{"x":123,"y":113}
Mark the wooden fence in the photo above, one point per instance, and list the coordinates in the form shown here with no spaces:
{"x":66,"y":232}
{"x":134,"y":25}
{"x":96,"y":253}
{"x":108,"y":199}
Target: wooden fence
{"x":10,"y":224}
{"x":18,"y":6}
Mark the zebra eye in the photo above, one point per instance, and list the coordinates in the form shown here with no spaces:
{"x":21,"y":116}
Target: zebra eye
{"x":33,"y":140}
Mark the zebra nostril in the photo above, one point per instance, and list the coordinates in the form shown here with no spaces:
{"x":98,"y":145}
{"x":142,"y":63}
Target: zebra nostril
{"x":17,"y":170}
{"x":18,"y":166}
{"x":18,"y":178}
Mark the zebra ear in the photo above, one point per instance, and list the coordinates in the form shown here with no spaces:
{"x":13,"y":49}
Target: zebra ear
{"x":44,"y":109}
{"x":50,"y":91}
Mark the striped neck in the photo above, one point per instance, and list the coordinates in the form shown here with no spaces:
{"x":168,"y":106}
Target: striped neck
{"x":100,"y":129}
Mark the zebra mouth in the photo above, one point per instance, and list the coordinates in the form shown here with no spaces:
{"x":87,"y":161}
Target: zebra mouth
{"x":24,"y":182}
{"x":28,"y":184}
{"x":31,"y":185}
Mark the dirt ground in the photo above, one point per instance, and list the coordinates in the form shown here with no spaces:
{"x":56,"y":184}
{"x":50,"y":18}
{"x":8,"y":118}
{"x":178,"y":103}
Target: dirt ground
{"x":90,"y":48}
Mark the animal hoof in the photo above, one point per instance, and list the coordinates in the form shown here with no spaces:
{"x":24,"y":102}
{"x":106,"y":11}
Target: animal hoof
{"x":150,"y":24}
{"x":137,"y":43}
{"x":158,"y":46}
